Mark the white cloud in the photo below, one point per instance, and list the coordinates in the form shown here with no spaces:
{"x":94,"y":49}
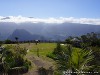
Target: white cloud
{"x":20,"y":19}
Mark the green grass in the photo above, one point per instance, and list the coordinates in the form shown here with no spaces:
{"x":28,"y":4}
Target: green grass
{"x":43,"y":48}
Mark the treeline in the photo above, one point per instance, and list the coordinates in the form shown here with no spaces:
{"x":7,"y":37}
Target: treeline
{"x":29,"y":41}
{"x":90,"y":39}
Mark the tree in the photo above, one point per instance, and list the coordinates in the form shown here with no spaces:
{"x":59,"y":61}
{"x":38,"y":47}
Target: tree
{"x":8,"y":41}
{"x":91,"y":39}
{"x":16,"y":38}
{"x":68,"y":40}
{"x":58,"y":49}
{"x":1,"y":43}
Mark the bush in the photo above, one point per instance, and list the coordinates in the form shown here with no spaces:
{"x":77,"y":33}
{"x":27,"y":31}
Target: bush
{"x":13,"y":58}
{"x":7,"y":41}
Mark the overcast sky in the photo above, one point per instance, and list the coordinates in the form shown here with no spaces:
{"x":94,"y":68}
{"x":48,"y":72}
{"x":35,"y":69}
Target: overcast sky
{"x":79,"y":11}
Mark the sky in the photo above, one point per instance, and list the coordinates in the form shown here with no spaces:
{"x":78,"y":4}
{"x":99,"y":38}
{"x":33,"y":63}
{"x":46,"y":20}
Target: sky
{"x":51,"y":8}
{"x":84,"y":10}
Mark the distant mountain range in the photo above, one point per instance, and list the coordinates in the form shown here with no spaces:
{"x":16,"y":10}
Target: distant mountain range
{"x":44,"y":31}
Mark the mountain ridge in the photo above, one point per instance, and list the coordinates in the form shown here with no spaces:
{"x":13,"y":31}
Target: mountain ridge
{"x":48,"y":31}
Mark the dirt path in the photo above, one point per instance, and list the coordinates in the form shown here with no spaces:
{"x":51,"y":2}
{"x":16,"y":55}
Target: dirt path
{"x":38,"y":62}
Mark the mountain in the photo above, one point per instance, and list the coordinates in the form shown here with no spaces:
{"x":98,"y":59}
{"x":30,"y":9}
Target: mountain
{"x":48,"y":31}
{"x":24,"y":35}
{"x":6,"y":29}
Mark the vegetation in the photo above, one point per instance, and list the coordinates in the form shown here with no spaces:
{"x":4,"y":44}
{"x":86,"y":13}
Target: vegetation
{"x":29,"y":51}
{"x":90,"y":39}
{"x":80,"y":54}
{"x":7,"y":41}
{"x":72,"y":59}
{"x":12,"y":57}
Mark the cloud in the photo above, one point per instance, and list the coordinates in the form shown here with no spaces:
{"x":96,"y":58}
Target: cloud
{"x":21,"y":19}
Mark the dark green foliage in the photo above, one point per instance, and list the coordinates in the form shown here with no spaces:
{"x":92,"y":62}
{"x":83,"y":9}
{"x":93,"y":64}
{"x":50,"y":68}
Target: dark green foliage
{"x":44,"y":71}
{"x":16,"y":38}
{"x":13,"y":58}
{"x":96,"y":61}
{"x":90,"y":39}
{"x":87,"y":42}
{"x":1,"y":43}
{"x":58,"y":49}
{"x":69,"y":40}
{"x":27,"y":64}
{"x":7,"y":41}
